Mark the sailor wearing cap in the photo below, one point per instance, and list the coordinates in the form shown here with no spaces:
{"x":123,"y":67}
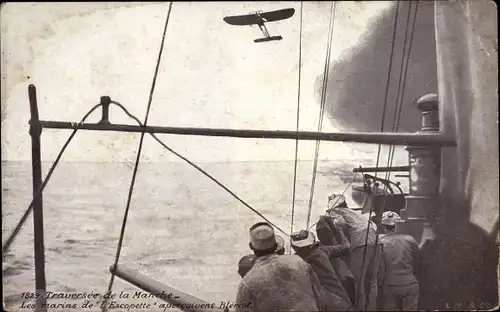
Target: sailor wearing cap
{"x":331,"y":223}
{"x":277,"y":282}
{"x":389,"y":219}
{"x":401,"y":289}
{"x":246,"y":262}
{"x":319,"y":257}
{"x":330,"y":231}
{"x":336,"y":201}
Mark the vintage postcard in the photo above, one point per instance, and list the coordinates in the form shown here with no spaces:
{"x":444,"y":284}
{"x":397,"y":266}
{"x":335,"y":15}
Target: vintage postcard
{"x":249,"y":156}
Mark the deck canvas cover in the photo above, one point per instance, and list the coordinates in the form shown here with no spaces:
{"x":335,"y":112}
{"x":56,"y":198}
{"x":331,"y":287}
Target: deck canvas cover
{"x":459,"y":268}
{"x":467,"y":59}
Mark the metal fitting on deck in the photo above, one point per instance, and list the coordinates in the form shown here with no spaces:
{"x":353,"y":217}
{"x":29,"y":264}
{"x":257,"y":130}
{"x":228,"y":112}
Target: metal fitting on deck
{"x":35,"y":128}
{"x":425,"y":170}
{"x":105,"y":102}
{"x":425,"y":162}
{"x":428,"y":104}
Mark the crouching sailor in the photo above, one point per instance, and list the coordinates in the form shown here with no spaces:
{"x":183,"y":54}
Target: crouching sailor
{"x":318,"y":256}
{"x":275,"y":282}
{"x":330,"y":231}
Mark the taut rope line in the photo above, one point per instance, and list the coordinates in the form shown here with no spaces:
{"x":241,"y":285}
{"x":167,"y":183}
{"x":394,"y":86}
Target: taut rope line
{"x":391,"y":57}
{"x":395,"y":122}
{"x":398,"y":118}
{"x":198,"y":168}
{"x":21,"y":222}
{"x":399,"y":100}
{"x":136,"y":166}
{"x":322,"y":108}
{"x":298,"y":120}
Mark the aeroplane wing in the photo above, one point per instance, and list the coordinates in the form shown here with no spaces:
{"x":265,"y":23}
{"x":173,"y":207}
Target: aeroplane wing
{"x":278,"y":15}
{"x":242,"y":20}
{"x":251,"y":19}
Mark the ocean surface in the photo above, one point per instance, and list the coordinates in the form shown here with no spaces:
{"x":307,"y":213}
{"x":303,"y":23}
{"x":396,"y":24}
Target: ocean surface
{"x":183,"y":229}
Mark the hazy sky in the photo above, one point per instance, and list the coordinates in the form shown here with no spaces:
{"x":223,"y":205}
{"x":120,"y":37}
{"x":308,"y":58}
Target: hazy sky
{"x":211,"y":75}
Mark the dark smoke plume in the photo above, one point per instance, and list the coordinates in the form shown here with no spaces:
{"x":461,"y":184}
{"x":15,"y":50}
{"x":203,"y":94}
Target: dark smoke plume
{"x":357,"y":82}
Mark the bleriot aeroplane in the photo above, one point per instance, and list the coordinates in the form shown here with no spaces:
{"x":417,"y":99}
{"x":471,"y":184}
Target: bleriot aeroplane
{"x":260,"y":18}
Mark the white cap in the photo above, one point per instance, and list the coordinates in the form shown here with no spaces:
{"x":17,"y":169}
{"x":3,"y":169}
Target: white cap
{"x":335,"y":200}
{"x":390,"y":218}
{"x":303,"y":239}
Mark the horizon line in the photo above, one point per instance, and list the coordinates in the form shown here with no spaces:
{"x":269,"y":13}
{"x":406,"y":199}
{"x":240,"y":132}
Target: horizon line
{"x":211,"y":162}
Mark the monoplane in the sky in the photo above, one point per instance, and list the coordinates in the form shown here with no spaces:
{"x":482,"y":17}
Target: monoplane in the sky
{"x":260,"y":18}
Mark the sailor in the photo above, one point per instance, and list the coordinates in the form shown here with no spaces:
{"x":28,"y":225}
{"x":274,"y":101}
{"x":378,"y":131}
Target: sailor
{"x":318,"y":256}
{"x":337,"y":201}
{"x":329,"y":224}
{"x":280,"y":250}
{"x":246,"y":262}
{"x":277,"y":283}
{"x":365,"y":269}
{"x":401,"y":288}
{"x":330,"y":232}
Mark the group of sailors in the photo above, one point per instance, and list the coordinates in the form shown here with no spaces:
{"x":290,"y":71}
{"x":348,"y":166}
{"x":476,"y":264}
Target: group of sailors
{"x":333,"y":272}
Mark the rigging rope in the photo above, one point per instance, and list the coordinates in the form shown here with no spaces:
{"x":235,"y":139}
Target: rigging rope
{"x":397,"y":118}
{"x":297,"y":125}
{"x":38,"y":193}
{"x":399,"y":101}
{"x":198,"y":168}
{"x":395,"y":121}
{"x":136,"y":166}
{"x":322,"y":108}
{"x":393,"y":44}
{"x":391,"y":57}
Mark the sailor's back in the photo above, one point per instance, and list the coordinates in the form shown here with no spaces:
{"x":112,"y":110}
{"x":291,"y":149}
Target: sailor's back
{"x":278,"y":283}
{"x":400,"y":251}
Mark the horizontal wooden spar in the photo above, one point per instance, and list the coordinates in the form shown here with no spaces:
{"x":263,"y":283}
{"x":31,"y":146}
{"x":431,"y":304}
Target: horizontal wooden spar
{"x":420,"y":139}
{"x":179,"y":299}
{"x":383,"y":169}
